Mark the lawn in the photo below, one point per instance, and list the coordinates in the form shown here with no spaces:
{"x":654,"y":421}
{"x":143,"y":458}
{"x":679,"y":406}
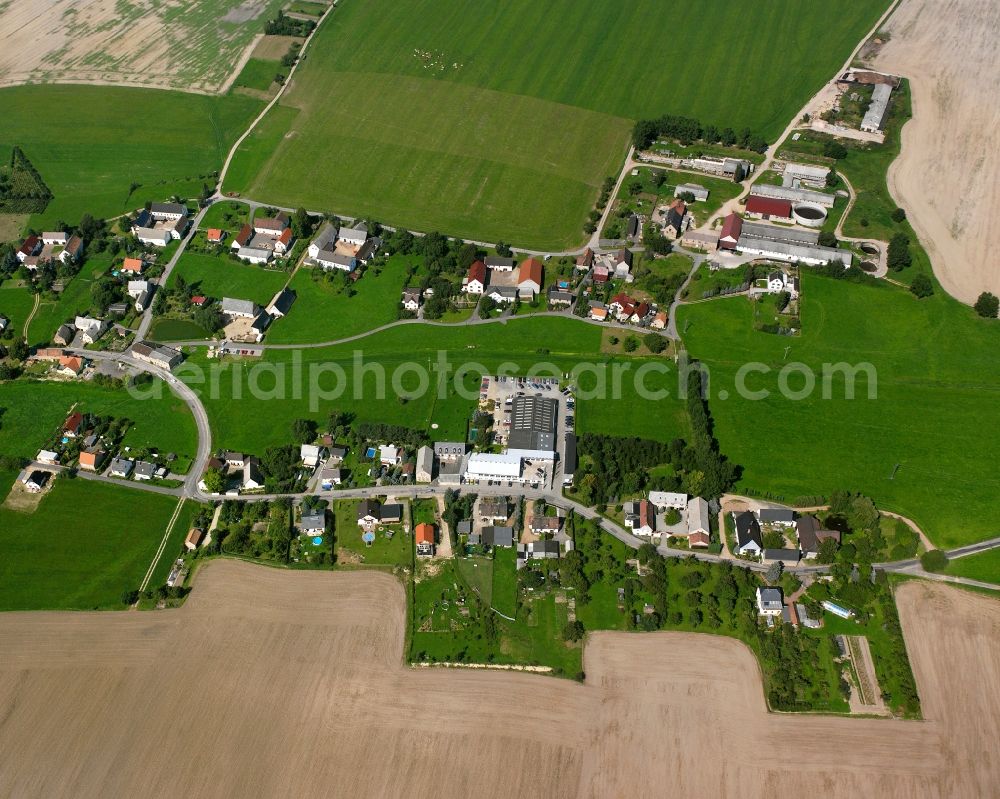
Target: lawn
{"x":387,"y":550}
{"x":323,"y":311}
{"x":983,"y":566}
{"x":505,"y":581}
{"x":924,"y":448}
{"x":502,"y":135}
{"x":85,"y":544}
{"x":259,"y":74}
{"x":15,"y":303}
{"x":221,"y":276}
{"x":167,"y":329}
{"x":229,"y":215}
{"x":102,"y":139}
{"x":256,"y":422}
{"x":31,"y":412}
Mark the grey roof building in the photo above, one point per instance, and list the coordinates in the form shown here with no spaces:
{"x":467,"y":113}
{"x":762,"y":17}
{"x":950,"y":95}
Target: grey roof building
{"x":498,"y":262}
{"x":791,"y":194}
{"x":874,"y":120}
{"x":493,"y":536}
{"x":533,"y":424}
{"x":234,"y":307}
{"x":313,"y":522}
{"x":695,"y":190}
{"x":282,"y":302}
{"x":777,"y":516}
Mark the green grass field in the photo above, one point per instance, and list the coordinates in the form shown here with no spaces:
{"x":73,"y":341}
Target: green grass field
{"x":31,"y":412}
{"x":984,"y":566}
{"x":223,"y":277}
{"x":323,"y":311}
{"x":85,"y":544}
{"x":265,"y":421}
{"x":259,"y":74}
{"x":98,"y":140}
{"x":933,"y":417}
{"x":15,"y":303}
{"x":167,"y":329}
{"x":500,"y":135}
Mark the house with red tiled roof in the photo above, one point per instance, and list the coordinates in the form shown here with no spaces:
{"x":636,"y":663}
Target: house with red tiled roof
{"x":215,"y":235}
{"x":91,"y":459}
{"x":619,"y":302}
{"x":732,"y":227}
{"x":199,"y":300}
{"x":659,"y":321}
{"x":133,"y":265}
{"x":241,"y":239}
{"x":640,"y":313}
{"x":284,"y":242}
{"x":529,"y":278}
{"x":70,"y":365}
{"x":585,"y":260}
{"x":475,"y":282}
{"x":72,"y":424}
{"x":29,"y":247}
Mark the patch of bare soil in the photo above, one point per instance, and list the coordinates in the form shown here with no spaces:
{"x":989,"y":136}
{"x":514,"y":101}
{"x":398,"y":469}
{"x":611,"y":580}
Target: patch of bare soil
{"x":276,"y":683}
{"x":948,"y":174}
{"x":23,"y":500}
{"x":273,"y":48}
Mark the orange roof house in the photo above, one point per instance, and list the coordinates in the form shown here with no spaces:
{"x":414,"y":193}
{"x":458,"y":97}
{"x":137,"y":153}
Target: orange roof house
{"x":424,"y":537}
{"x":71,"y":363}
{"x":90,"y":459}
{"x":530,"y":270}
{"x":133,"y":265}
{"x":215,"y":235}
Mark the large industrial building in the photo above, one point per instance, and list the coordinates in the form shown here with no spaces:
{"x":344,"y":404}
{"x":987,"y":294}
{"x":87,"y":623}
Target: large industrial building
{"x":533,"y":428}
{"x":489,"y":466}
{"x":874,"y":120}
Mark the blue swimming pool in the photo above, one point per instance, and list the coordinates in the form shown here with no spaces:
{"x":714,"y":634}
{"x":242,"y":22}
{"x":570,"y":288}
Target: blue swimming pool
{"x":370,"y":452}
{"x":317,"y":540}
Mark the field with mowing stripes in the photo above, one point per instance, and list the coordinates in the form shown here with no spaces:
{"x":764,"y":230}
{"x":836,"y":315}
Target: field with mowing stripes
{"x":90,"y":143}
{"x":445,"y":115}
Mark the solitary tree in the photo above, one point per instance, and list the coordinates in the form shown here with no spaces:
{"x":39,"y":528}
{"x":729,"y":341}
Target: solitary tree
{"x":898,"y":215}
{"x":303,"y":430}
{"x":774,"y":572}
{"x":213,"y":481}
{"x":573,"y":631}
{"x":988,"y":305}
{"x":922,"y":286}
{"x":934,"y":560}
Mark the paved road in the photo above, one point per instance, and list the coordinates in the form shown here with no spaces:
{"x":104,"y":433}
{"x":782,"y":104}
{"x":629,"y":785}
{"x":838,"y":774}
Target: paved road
{"x":183,"y":391}
{"x":147,"y":315}
{"x":472,"y":320}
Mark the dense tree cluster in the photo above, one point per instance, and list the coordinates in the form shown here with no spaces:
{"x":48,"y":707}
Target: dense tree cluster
{"x":987,"y":305}
{"x":688,"y":131}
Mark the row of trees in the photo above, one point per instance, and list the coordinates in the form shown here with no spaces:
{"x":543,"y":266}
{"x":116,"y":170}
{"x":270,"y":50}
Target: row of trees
{"x":688,"y":131}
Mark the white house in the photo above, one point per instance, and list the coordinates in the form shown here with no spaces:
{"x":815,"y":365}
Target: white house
{"x":389,"y":455}
{"x":668,"y":499}
{"x":137,"y":287}
{"x":47,"y":456}
{"x":168,"y":212}
{"x":770,"y":601}
{"x":57,"y":238}
{"x":332,"y":260}
{"x":424,"y":472}
{"x":748,"y":537}
{"x":252,"y":478}
{"x":354,"y":237}
{"x":92,"y":329}
{"x":411,"y":299}
{"x":311,"y":455}
{"x":236,"y":309}
{"x":325,"y":241}
{"x":502,"y":294}
{"x":475,"y":281}
{"x":153,"y":236}
{"x":253,"y":255}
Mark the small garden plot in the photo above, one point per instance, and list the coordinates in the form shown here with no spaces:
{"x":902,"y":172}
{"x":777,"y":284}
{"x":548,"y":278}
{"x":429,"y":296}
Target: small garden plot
{"x":389,"y":545}
{"x":776,"y":313}
{"x":708,"y":283}
{"x":228,"y":215}
{"x":440,"y":600}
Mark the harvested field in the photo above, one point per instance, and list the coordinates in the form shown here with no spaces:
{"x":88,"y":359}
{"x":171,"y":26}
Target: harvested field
{"x":186,"y":44}
{"x":948,"y":176}
{"x":273,"y":48}
{"x":293,"y":683}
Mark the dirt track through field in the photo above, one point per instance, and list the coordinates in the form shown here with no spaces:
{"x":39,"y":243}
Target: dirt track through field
{"x":948,"y":174}
{"x":272,"y":683}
